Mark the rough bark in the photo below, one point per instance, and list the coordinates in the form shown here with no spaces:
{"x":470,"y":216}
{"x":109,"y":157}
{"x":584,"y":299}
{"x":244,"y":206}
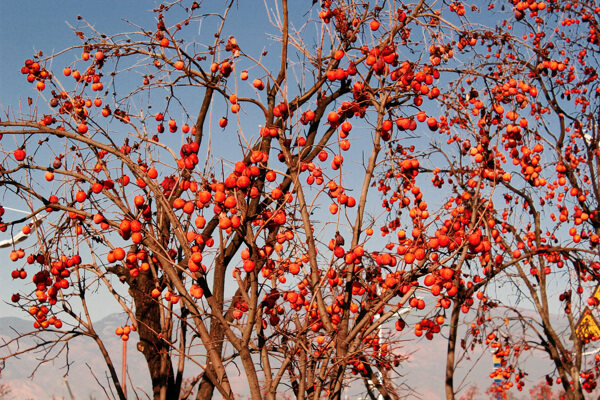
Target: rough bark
{"x":155,"y":350}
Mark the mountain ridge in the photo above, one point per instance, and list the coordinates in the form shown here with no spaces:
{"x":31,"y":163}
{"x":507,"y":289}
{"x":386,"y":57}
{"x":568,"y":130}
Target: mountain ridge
{"x":87,"y":376}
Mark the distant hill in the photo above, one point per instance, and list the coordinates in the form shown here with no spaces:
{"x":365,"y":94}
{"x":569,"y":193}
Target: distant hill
{"x":87,"y":373}
{"x":84,"y":361}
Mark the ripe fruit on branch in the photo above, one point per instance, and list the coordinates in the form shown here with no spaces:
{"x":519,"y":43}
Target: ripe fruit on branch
{"x":249,"y":265}
{"x":19,"y":154}
{"x":224,"y":222}
{"x":346,"y":127}
{"x":333,"y":117}
{"x":80,"y":196}
{"x":432,"y":123}
{"x":258,"y":84}
{"x":119,"y":253}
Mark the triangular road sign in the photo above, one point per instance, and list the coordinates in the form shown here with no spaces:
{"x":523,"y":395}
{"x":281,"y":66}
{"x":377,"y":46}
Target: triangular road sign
{"x":597,"y":293}
{"x":587,"y":327}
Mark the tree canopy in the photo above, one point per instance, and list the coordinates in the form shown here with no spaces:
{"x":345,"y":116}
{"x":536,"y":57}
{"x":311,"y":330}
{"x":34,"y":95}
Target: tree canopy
{"x":283,"y":211}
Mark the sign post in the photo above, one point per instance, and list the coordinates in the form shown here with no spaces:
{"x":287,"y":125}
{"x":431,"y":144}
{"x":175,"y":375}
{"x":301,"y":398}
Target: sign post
{"x":497,"y":379}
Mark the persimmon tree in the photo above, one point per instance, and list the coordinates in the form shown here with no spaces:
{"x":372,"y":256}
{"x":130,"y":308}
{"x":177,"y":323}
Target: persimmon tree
{"x":524,"y":126}
{"x":227,"y":197}
{"x":155,"y":207}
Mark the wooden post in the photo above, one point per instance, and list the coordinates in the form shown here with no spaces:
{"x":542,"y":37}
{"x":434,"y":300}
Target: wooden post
{"x":124,"y":367}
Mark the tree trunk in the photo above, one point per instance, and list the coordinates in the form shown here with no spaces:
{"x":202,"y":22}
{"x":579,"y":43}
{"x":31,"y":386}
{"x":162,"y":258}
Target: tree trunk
{"x":450,"y":356}
{"x":206,"y":388}
{"x":155,"y":350}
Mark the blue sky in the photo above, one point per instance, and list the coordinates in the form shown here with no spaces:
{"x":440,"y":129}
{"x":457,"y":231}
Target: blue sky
{"x":27,"y":27}
{"x":30,"y":26}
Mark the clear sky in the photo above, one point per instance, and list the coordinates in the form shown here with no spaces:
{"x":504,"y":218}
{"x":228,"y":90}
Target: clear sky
{"x":30,"y":26}
{"x":27,"y":27}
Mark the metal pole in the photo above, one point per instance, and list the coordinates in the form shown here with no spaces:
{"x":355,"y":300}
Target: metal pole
{"x":16,"y":210}
{"x":587,"y":353}
{"x":69,"y":389}
{"x":124,"y":367}
{"x":19,"y":237}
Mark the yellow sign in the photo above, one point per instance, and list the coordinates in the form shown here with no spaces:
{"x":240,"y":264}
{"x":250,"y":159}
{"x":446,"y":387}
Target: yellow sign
{"x":597,"y":293}
{"x":587,"y":327}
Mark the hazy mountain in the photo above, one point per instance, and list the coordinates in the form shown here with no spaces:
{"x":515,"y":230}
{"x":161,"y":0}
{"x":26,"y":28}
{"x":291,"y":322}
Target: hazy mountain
{"x":84,"y":368}
{"x":87,"y":375}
